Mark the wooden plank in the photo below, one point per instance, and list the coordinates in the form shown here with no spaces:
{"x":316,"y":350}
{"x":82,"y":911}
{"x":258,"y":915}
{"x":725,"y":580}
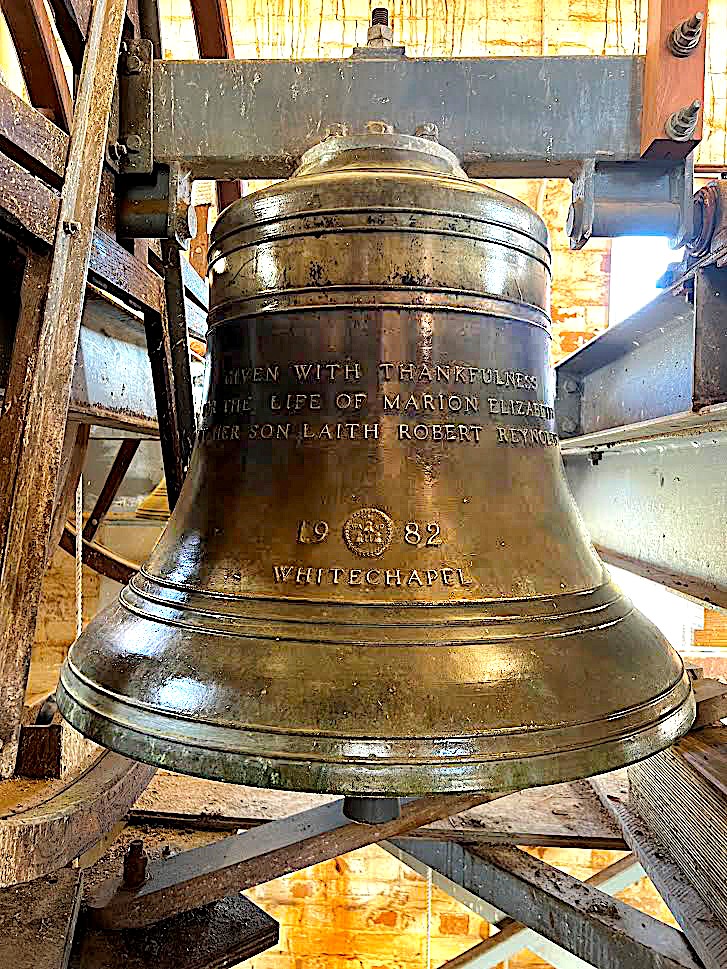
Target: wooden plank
{"x":706,"y":935}
{"x":199,"y":246}
{"x":602,"y":931}
{"x":706,"y":752}
{"x":222,"y":936}
{"x":212,"y":28}
{"x":123,"y":459}
{"x":72,"y":19}
{"x":38,"y":920}
{"x":674,"y":792}
{"x":39,"y":58}
{"x":198,"y":877}
{"x":26,"y":202}
{"x":670,"y":82}
{"x":562,"y":815}
{"x":513,"y":936}
{"x":711,"y":696}
{"x":75,"y":446}
{"x":121,"y":273}
{"x":29,"y":138}
{"x":52,"y":750}
{"x":168,"y":346}
{"x":25,"y":542}
{"x":60,"y":820}
{"x":17,"y":392}
{"x":98,"y":558}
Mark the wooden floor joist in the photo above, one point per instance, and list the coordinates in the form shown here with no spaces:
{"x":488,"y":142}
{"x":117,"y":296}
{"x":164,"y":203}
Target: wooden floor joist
{"x":681,"y":794}
{"x":512,"y":937}
{"x":707,"y":936}
{"x":206,"y":874}
{"x":600,"y":930}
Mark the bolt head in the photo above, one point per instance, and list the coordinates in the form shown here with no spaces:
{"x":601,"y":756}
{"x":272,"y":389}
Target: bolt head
{"x":117,"y":150}
{"x":132,"y":64}
{"x":133,"y":144}
{"x":570,"y":386}
{"x":568,"y":425}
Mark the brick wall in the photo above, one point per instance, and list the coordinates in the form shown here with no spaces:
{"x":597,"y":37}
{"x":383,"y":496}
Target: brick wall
{"x":369,"y":911}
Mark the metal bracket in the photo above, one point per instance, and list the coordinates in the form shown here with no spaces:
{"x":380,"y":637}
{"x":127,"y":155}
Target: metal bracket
{"x":156,"y":206}
{"x":632,"y":198}
{"x":133,"y":152}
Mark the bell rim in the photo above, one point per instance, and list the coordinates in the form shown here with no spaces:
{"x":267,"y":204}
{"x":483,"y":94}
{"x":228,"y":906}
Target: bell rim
{"x":368,"y":775}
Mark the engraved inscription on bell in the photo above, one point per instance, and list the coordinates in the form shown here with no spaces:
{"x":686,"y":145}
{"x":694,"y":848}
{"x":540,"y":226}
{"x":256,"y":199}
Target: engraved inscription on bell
{"x":375,"y":581}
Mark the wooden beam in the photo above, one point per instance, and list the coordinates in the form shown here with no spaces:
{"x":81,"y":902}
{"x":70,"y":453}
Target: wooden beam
{"x":44,"y":825}
{"x":39,"y":58}
{"x":681,"y":794}
{"x":98,"y":558}
{"x":31,"y":139}
{"x":75,"y":446}
{"x":124,"y":457}
{"x":52,"y":750}
{"x":38,"y":920}
{"x":201,"y":876}
{"x":600,"y":930}
{"x":513,"y":936}
{"x":26,"y":202}
{"x":706,"y":935}
{"x":168,"y":345}
{"x":711,"y":696}
{"x":670,"y":82}
{"x":226,"y":934}
{"x":706,"y":752}
{"x":121,"y":273}
{"x":212,"y":28}
{"x":72,"y":19}
{"x":25,"y":541}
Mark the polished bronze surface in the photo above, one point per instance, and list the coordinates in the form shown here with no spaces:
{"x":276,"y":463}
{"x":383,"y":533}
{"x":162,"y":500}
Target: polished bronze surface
{"x":375,"y":581}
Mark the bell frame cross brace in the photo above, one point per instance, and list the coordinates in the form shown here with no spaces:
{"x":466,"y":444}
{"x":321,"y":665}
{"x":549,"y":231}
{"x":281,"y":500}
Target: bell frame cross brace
{"x":623,"y":129}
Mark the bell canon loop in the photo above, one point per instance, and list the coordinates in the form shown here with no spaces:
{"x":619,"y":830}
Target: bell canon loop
{"x":375,"y":581}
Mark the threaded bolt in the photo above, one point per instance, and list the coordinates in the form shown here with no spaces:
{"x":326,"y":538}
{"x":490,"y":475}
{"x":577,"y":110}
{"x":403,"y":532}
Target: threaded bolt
{"x":685,"y":37}
{"x":135,"y":862}
{"x":380,"y":17}
{"x":682,"y":124}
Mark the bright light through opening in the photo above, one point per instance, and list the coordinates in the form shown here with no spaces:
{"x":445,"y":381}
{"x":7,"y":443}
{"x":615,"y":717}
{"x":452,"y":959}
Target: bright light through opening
{"x":636,"y":264}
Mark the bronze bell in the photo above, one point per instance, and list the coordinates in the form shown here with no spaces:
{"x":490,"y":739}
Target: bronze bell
{"x":376,"y":581}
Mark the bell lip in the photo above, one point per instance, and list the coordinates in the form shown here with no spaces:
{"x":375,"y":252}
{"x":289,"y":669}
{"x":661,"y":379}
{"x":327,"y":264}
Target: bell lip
{"x":367,"y":777}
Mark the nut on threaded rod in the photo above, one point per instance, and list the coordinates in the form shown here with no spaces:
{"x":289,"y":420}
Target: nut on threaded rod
{"x":685,"y":37}
{"x":380,"y":33}
{"x":135,"y":862}
{"x":682,"y":124}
